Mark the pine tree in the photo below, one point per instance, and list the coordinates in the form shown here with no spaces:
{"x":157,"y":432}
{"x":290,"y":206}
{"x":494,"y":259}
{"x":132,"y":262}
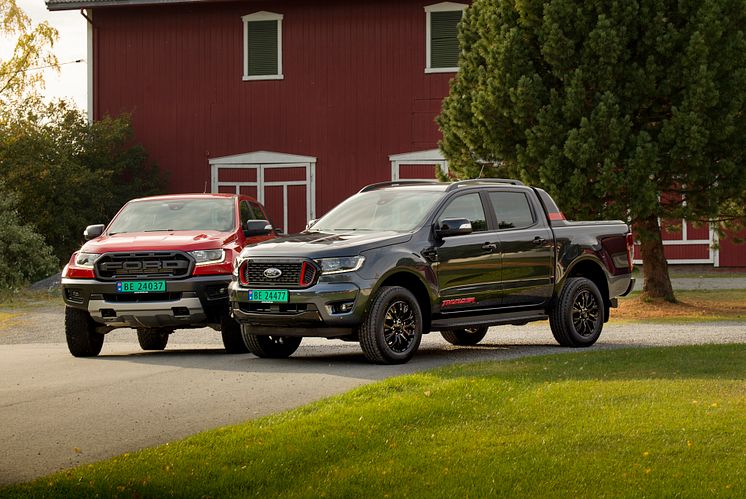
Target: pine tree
{"x":620,"y":109}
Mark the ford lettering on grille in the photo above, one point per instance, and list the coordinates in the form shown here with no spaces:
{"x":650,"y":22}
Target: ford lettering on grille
{"x":146,"y":264}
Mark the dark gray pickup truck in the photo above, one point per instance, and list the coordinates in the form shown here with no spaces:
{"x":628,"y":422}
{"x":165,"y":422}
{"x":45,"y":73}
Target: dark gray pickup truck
{"x":402,"y":259}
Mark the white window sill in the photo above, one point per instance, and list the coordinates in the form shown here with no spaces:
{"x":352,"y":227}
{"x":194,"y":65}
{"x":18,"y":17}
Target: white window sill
{"x":441,"y":70}
{"x":263,"y":77}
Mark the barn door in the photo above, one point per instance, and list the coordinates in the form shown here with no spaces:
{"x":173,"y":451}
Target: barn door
{"x":283,"y":183}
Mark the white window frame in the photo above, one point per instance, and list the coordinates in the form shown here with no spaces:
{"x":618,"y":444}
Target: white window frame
{"x":417,"y":158}
{"x":438,"y":7}
{"x":262,"y":16}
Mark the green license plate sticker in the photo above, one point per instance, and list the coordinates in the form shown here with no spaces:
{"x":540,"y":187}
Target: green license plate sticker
{"x":269,"y":295}
{"x":141,"y":286}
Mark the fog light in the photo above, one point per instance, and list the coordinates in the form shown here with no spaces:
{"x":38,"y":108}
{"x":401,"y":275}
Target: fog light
{"x":342,"y":307}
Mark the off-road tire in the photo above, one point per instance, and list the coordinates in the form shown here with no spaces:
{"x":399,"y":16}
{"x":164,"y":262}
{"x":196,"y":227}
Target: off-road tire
{"x":80,"y":331}
{"x":270,"y":347}
{"x":392,"y":329}
{"x":577,"y":317}
{"x":153,"y":338}
{"x":230,"y":330}
{"x":465,"y":336}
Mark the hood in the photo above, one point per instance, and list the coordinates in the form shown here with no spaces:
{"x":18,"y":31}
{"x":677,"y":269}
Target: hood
{"x":326,"y":244}
{"x":159,"y":241}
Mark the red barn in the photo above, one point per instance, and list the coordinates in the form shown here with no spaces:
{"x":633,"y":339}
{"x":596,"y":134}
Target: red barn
{"x":298,"y":103}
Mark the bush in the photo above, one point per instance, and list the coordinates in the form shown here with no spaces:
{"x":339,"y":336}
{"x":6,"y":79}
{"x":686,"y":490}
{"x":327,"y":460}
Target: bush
{"x":24,"y":256}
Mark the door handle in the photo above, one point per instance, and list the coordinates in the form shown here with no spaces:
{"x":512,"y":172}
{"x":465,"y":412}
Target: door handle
{"x":539,"y":241}
{"x":489,"y":247}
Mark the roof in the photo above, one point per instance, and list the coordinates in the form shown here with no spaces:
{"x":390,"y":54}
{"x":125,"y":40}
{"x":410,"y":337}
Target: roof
{"x":264,"y":158}
{"x":85,"y":4}
{"x":205,"y":195}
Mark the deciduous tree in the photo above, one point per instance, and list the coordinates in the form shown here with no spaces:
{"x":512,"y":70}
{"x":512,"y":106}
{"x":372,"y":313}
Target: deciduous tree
{"x":68,"y":173}
{"x":32,"y":49}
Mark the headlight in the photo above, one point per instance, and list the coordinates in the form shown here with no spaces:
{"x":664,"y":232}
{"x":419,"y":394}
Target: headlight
{"x":204,"y":257}
{"x":86,"y":260}
{"x":342,"y":264}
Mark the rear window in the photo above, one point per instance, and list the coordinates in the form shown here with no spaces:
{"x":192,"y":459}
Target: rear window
{"x":175,"y":215}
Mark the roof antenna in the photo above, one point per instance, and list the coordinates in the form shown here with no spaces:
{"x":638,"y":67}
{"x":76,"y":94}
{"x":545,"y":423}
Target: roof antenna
{"x":204,"y":191}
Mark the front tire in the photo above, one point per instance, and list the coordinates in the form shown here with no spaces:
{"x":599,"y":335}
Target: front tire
{"x":466,"y":336}
{"x":80,"y":331}
{"x":153,"y":339}
{"x":392,"y":330}
{"x":270,"y":347}
{"x":577,"y":317}
{"x":230,"y":330}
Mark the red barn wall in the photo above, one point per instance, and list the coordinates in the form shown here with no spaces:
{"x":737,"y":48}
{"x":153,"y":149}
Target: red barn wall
{"x":354,"y":88}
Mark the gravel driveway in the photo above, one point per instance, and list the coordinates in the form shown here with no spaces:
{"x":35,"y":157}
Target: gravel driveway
{"x":59,"y":411}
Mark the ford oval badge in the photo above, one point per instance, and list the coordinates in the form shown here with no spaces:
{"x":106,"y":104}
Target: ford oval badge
{"x":272,"y":273}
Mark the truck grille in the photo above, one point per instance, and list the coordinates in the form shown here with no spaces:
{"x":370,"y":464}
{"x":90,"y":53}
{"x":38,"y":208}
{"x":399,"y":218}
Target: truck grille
{"x":144,"y":265}
{"x":298,"y":274}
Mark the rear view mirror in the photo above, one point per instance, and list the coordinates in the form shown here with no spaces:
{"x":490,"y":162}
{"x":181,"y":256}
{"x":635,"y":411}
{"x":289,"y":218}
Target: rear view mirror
{"x":93,"y":231}
{"x":453,"y":227}
{"x":257,"y":228}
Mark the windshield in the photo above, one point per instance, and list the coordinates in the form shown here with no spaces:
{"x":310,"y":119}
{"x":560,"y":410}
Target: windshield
{"x":395,"y":209}
{"x":175,"y":214}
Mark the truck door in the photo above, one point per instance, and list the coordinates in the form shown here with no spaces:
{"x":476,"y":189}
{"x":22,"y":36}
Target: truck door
{"x":527,"y":246}
{"x":468,"y":266}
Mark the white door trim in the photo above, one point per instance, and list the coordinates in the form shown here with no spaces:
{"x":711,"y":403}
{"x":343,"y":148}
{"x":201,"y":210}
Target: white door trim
{"x":260,"y":161}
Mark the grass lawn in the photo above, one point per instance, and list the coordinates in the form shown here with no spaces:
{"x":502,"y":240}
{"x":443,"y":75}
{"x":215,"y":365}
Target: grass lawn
{"x":627,"y":423}
{"x":692,"y":306}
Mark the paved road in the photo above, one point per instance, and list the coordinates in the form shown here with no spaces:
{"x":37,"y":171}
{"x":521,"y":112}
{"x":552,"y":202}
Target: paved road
{"x":58,"y":411}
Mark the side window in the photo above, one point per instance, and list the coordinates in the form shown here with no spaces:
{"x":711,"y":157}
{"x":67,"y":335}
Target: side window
{"x":258,"y":212}
{"x":262,"y":46}
{"x":246,"y":213}
{"x":442,"y":47}
{"x":512,"y":210}
{"x":468,"y":206}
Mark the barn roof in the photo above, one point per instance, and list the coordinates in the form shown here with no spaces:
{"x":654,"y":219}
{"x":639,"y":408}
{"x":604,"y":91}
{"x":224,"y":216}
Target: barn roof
{"x":86,"y":4}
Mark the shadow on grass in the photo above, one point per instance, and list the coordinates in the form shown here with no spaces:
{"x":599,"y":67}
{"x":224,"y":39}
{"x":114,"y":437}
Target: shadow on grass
{"x":723,"y":361}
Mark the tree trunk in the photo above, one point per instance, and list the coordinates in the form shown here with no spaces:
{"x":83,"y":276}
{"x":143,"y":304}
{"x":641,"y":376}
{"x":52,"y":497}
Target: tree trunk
{"x":654,"y":265}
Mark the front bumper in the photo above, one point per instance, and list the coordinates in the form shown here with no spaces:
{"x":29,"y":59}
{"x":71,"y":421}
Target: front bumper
{"x":192,"y":302}
{"x":327,"y":309}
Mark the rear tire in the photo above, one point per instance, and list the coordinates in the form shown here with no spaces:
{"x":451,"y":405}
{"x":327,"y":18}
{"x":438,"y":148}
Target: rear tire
{"x":230,"y":330}
{"x":270,"y":347}
{"x":153,"y":339}
{"x":465,"y":336}
{"x":392,"y":330}
{"x":80,"y":331}
{"x":577,"y":317}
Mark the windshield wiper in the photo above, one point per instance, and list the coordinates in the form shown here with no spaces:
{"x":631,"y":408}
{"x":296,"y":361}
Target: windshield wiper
{"x":159,"y":230}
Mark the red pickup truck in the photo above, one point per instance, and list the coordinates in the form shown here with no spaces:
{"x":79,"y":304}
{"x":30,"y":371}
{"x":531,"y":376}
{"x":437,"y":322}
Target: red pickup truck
{"x":163,"y":263}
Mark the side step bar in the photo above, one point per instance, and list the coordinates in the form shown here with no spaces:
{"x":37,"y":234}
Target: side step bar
{"x":515,"y":318}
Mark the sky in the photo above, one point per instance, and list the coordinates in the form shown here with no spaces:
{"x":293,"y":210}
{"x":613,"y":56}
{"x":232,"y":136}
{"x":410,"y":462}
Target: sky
{"x":71,"y":80}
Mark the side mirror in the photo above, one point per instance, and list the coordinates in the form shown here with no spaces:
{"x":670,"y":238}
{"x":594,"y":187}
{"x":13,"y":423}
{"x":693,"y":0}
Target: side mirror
{"x":311,"y":223}
{"x":257,"y":228}
{"x":93,"y":231}
{"x":453,"y":227}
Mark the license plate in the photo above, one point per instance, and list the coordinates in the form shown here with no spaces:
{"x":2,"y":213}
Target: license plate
{"x":269,"y":295}
{"x":141,"y":286}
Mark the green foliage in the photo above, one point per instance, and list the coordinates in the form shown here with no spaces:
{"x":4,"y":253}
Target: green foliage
{"x":664,"y":422}
{"x":68,"y":173}
{"x":24,"y":257}
{"x":618,"y":108}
